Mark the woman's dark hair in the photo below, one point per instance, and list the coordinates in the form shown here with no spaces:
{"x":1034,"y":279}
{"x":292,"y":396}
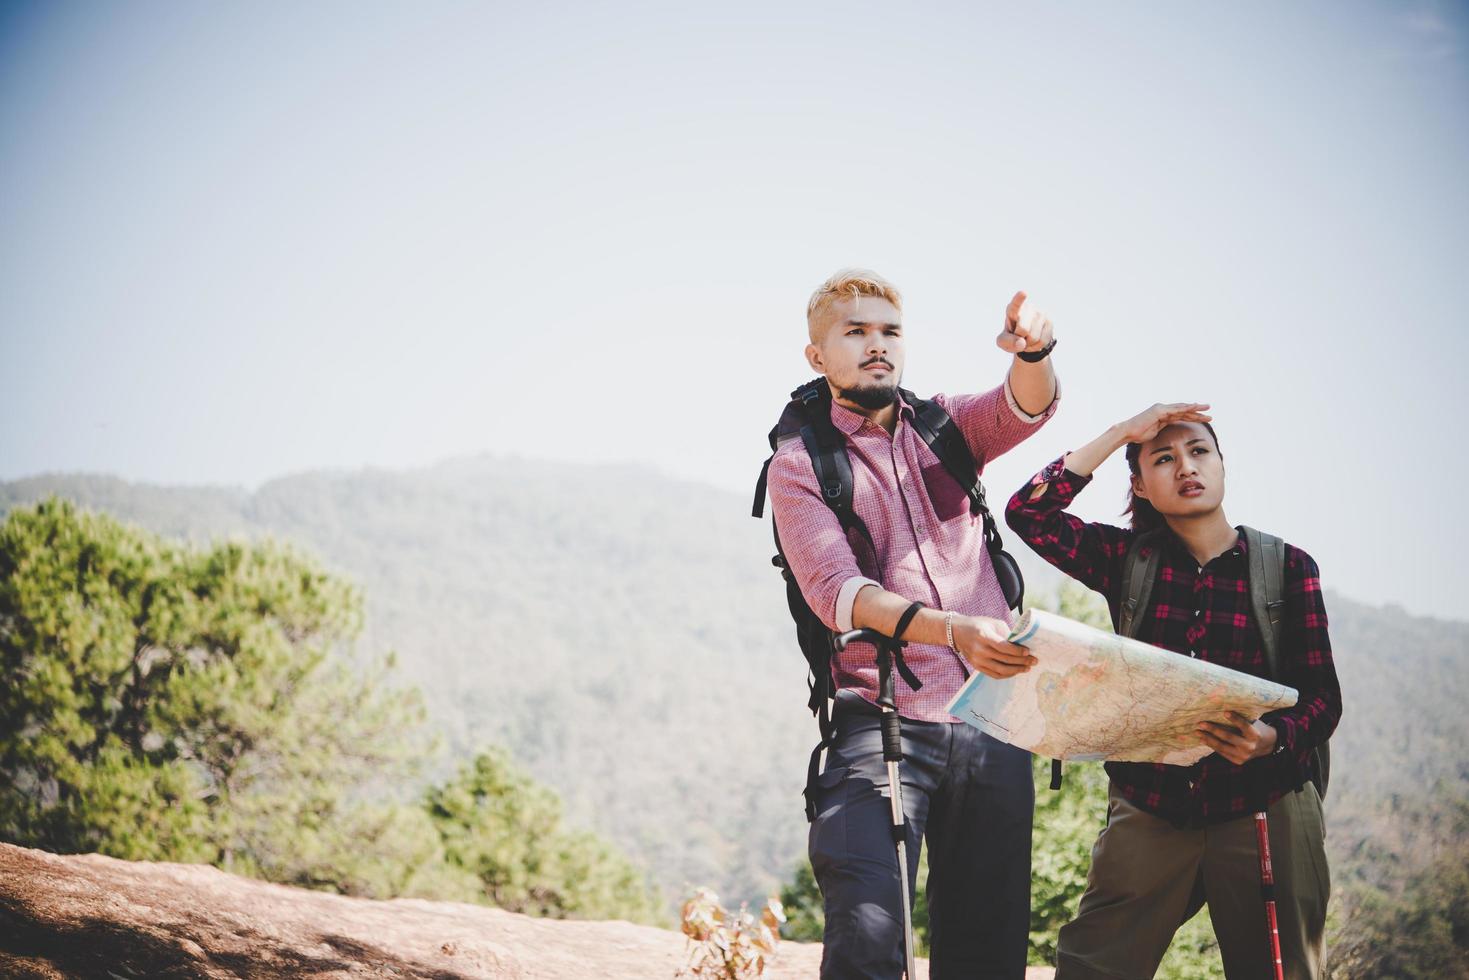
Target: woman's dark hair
{"x":1145,"y":516}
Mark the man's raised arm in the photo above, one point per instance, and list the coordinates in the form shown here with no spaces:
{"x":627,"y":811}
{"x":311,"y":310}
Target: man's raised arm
{"x":1027,"y":330}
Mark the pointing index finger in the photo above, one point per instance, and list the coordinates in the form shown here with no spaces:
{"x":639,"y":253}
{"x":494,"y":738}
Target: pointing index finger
{"x":1013,"y":310}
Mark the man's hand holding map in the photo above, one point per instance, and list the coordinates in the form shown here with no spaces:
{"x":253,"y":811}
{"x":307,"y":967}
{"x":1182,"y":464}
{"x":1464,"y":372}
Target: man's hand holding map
{"x":1094,"y":695}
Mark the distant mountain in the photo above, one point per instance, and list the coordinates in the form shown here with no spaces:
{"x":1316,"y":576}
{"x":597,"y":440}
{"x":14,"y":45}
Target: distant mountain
{"x":626,"y":636}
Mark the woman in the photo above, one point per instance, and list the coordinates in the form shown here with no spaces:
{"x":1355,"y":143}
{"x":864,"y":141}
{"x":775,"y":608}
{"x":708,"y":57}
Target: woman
{"x":1178,"y":837}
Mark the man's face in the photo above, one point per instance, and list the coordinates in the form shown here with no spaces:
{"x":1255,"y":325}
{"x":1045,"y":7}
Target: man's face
{"x":859,"y":347}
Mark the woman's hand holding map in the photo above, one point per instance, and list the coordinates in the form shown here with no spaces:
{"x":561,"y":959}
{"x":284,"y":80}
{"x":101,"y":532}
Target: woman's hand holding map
{"x":1237,"y":738}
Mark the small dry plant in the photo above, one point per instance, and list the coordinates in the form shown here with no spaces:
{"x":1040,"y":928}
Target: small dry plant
{"x":728,"y":946}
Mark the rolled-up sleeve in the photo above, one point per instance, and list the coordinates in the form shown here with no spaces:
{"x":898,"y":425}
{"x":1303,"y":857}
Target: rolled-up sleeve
{"x":993,"y":422}
{"x":813,"y":542}
{"x":1092,"y":553}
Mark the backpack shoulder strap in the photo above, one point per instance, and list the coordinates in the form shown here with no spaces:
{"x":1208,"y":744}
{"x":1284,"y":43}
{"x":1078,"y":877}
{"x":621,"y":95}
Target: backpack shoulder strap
{"x":1267,"y":602}
{"x":808,"y":416}
{"x":828,"y":452}
{"x":936,"y":428}
{"x":1267,"y":591}
{"x":1139,"y":570}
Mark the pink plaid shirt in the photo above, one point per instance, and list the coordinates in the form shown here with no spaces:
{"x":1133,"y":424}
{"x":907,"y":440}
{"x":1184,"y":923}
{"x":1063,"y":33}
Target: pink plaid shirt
{"x":929,"y":547}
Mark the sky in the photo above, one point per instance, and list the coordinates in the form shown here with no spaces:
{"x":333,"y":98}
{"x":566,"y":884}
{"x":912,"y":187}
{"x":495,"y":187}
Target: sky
{"x":239,"y":241}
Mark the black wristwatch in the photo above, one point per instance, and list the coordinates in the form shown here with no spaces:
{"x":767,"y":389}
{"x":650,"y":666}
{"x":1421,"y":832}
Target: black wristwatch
{"x":1038,"y":355}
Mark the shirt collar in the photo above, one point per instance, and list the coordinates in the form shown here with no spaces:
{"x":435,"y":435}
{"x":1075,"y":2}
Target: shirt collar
{"x":1175,"y":544}
{"x":849,"y":421}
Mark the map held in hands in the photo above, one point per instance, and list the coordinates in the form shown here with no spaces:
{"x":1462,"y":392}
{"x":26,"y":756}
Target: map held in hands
{"x":1095,"y":695}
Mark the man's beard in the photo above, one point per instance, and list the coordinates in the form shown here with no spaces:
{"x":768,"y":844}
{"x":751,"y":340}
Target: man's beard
{"x":872,"y":397}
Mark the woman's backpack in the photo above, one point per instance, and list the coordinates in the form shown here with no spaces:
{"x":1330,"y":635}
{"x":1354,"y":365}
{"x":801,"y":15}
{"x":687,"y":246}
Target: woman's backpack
{"x":1267,"y":598}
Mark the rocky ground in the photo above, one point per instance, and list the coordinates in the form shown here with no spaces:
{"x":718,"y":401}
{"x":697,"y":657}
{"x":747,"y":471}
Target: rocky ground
{"x":94,"y":916}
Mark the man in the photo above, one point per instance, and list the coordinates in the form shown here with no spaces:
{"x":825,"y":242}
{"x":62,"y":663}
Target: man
{"x":971,"y":794}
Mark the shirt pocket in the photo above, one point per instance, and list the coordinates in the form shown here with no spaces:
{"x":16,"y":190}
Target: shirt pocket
{"x":948,"y":498}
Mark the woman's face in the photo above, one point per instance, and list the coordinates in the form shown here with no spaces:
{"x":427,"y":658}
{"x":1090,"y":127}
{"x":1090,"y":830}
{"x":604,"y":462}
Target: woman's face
{"x":1180,"y":471}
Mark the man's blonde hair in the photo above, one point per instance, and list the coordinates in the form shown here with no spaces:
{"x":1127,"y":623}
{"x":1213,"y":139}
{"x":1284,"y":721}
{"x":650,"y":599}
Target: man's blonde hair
{"x":844,"y":283}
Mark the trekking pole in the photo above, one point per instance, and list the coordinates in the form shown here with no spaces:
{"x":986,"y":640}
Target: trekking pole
{"x":1267,"y":889}
{"x":892,"y":754}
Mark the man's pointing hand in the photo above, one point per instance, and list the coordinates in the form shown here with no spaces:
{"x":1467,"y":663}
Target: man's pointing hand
{"x":1026,"y":328}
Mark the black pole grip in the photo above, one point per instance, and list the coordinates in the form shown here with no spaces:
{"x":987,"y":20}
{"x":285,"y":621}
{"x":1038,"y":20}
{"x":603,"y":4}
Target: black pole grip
{"x":892,"y":737}
{"x":886,"y":690}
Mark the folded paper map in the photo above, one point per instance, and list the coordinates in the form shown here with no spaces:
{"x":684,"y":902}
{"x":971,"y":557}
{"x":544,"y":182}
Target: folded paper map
{"x":1094,"y":695}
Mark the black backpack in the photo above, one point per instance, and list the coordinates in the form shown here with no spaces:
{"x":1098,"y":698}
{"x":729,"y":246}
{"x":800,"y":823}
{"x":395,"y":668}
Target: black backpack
{"x":807,"y":416}
{"x":1267,"y":600}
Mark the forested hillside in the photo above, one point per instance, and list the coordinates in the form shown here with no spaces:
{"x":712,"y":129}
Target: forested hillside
{"x":623,"y":634}
{"x":163,"y":702}
{"x":626,"y":637}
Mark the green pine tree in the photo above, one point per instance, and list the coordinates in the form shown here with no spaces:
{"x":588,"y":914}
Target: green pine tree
{"x":161,"y":703}
{"x":505,"y":830}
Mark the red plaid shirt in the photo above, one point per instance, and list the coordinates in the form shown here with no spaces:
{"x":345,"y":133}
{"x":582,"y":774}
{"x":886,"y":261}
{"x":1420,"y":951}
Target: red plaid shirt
{"x":1204,"y":613}
{"x":928,"y":546}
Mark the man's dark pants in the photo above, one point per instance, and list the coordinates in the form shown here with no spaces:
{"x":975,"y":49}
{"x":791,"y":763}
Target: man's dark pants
{"x":974,"y":798}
